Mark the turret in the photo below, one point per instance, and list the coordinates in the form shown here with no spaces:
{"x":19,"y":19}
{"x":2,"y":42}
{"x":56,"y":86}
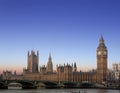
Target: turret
{"x":28,"y":53}
{"x":75,"y":67}
{"x":37,"y":53}
{"x":50,"y":64}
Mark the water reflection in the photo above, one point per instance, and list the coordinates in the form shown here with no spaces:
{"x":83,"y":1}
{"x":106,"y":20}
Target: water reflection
{"x":61,"y":91}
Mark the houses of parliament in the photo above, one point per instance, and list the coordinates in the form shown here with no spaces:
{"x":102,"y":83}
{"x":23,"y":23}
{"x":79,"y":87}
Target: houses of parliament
{"x":65,"y":72}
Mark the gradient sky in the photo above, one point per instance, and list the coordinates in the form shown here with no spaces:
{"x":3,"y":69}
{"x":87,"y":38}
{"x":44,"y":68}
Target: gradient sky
{"x":69,"y":29}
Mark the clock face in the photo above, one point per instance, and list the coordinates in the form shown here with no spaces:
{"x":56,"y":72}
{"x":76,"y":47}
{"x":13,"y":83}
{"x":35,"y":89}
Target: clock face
{"x":105,"y":53}
{"x":99,"y":53}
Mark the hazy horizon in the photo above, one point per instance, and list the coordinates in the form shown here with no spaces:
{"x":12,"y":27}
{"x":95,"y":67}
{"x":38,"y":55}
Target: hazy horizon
{"x":68,"y":29}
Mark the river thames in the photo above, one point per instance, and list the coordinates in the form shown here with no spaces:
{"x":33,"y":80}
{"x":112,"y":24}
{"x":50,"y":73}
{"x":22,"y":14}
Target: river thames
{"x":61,"y":91}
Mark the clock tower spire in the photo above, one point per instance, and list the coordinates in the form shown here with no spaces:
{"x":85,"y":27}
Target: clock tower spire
{"x":102,"y":61}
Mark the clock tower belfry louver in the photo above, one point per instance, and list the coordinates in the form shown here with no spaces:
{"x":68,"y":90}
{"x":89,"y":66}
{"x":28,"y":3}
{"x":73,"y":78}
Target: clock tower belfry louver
{"x":102,"y":55}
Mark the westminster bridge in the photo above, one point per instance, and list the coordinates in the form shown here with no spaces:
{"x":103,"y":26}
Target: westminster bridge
{"x":32,"y":84}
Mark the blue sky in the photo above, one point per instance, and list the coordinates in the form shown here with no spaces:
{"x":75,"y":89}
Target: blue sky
{"x":69,"y":29}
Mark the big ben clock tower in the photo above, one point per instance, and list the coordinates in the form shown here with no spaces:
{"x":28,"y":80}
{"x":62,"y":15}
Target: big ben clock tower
{"x":102,"y":54}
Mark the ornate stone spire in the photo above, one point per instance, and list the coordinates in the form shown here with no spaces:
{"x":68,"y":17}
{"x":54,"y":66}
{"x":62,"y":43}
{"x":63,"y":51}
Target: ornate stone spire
{"x":101,"y":39}
{"x":101,"y":42}
{"x":49,"y":64}
{"x":37,"y":53}
{"x":28,"y":53}
{"x":49,"y":59}
{"x":75,"y":65}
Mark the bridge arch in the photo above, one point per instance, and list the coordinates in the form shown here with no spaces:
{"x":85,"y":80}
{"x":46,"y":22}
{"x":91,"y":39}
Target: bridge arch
{"x":2,"y":85}
{"x":14,"y":85}
{"x":27,"y":84}
{"x":46,"y":84}
{"x":69,"y":85}
{"x":86,"y":84}
{"x":40,"y":85}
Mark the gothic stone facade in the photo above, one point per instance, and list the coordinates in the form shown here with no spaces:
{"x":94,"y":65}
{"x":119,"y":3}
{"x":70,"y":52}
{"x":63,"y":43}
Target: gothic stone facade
{"x":65,"y":73}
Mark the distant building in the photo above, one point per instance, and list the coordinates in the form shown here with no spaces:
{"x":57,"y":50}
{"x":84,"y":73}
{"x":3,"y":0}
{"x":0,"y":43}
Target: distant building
{"x":66,"y":72}
{"x":116,"y":67}
{"x":111,"y":76}
{"x":116,"y":70}
{"x":7,"y":75}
